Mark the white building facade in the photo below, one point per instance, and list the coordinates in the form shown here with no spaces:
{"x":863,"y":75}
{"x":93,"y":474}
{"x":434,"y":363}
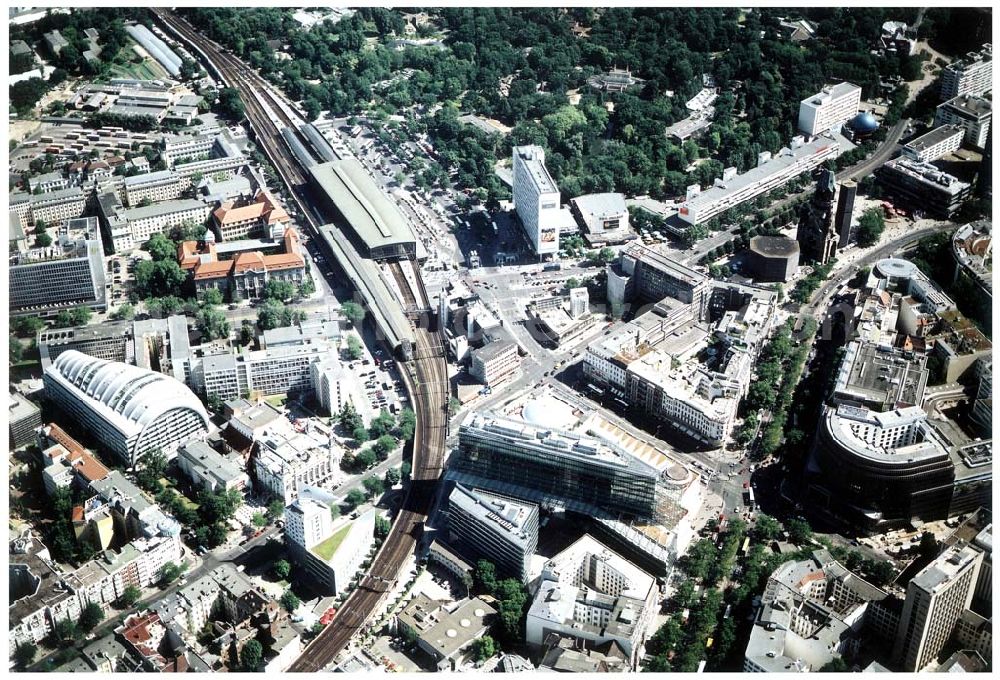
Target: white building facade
{"x":829,"y":108}
{"x":536,"y":199}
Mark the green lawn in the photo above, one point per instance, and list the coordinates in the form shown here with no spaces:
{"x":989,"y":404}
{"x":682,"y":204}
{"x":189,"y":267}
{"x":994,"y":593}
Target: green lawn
{"x":327,"y":548}
{"x":277,"y":400}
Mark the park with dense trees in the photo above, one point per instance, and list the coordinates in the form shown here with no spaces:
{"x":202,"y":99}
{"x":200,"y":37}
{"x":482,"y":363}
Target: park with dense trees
{"x":604,"y":141}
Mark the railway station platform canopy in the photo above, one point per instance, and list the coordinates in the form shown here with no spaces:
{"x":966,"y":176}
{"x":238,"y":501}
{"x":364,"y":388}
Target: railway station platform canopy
{"x":375,"y":225}
{"x":365,"y":276}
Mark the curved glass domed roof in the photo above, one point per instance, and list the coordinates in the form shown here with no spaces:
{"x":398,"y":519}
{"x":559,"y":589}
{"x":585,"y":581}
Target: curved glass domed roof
{"x":864,"y":123}
{"x":133,"y":397}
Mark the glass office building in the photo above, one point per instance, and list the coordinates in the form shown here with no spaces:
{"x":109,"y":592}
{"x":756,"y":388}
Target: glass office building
{"x":552,"y":467}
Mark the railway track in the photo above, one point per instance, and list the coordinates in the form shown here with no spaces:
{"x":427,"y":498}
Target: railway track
{"x":425,"y":376}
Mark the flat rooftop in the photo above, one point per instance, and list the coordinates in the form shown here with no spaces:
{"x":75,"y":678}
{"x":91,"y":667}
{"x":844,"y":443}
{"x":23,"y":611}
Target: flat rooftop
{"x":827,"y":94}
{"x":970,"y":105}
{"x":926,"y":174}
{"x":774,"y":246}
{"x":164,"y":208}
{"x":601,"y":205}
{"x":665,"y":264}
{"x":531,"y":156}
{"x":935,"y":137}
{"x":871,"y":373}
{"x":779,"y":163}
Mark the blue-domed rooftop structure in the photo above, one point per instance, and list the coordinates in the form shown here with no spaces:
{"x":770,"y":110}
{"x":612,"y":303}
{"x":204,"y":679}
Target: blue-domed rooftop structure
{"x":863,"y":124}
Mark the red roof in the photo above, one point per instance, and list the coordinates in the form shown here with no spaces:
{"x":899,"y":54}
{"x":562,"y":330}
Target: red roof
{"x":248,"y":260}
{"x":212,"y":270}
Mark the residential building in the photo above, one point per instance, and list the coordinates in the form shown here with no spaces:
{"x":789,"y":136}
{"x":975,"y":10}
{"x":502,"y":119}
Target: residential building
{"x":771,"y":172}
{"x":489,"y":526}
{"x":152,"y":219}
{"x":535,"y":463}
{"x":36,"y":603}
{"x":812,"y":612}
{"x":24,"y":416}
{"x":972,"y":75}
{"x":154,"y":187}
{"x":130,"y":410}
{"x":56,"y":206}
{"x":570,"y":655}
{"x":773,"y":258}
{"x":829,"y":109}
{"x":209,"y":469}
{"x":971,"y":113}
{"x":445,"y":633}
{"x":536,"y":199}
{"x":62,"y":452}
{"x":66,"y":274}
{"x":494,"y":362}
{"x":335,"y":386}
{"x":923,"y":186}
{"x":593,"y":595}
{"x":935,"y":600}
{"x":938,"y":142}
{"x":331,"y":555}
{"x":287,"y":461}
{"x":135,"y":515}
{"x":972,"y":248}
{"x":259,"y":218}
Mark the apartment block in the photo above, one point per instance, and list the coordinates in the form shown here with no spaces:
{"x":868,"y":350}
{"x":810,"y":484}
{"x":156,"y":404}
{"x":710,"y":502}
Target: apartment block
{"x":931,"y":146}
{"x":971,"y":113}
{"x":829,"y":108}
{"x":972,"y":75}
